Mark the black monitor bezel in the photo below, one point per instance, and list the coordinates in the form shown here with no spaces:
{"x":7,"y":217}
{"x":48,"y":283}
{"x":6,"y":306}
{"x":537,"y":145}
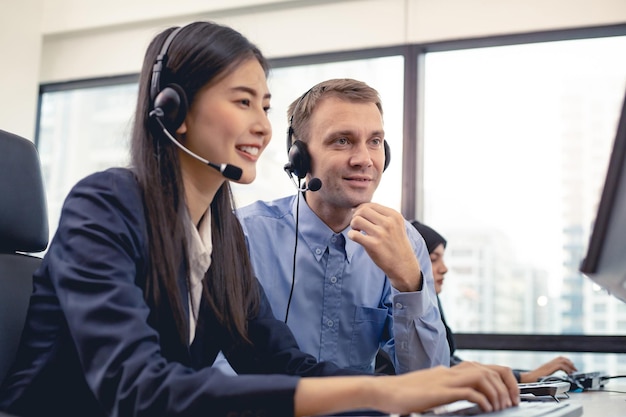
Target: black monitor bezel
{"x":606,"y":207}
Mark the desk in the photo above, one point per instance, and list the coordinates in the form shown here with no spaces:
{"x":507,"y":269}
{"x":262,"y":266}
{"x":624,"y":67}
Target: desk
{"x":608,"y":402}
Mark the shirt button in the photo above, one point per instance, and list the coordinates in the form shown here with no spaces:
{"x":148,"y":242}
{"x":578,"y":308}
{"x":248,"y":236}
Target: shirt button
{"x":318,"y":251}
{"x":333,"y":280}
{"x":398,"y":305}
{"x":333,"y":239}
{"x":330,"y":323}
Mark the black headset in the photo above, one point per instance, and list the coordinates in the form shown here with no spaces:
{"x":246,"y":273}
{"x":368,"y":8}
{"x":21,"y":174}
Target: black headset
{"x":299,"y":158}
{"x":169,"y":103}
{"x":169,"y":108}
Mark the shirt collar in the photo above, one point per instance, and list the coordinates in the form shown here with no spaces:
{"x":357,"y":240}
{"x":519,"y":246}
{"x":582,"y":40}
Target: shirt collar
{"x":200,"y":247}
{"x":315,"y":233}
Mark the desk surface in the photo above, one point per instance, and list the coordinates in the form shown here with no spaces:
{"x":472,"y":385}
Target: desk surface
{"x":607,"y":402}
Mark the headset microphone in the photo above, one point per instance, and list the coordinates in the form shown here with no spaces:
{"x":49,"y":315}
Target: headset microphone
{"x":229,"y":171}
{"x":313,"y":185}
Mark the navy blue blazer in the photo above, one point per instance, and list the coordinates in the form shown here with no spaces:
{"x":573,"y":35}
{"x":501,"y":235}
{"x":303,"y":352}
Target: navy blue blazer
{"x":89,"y":349}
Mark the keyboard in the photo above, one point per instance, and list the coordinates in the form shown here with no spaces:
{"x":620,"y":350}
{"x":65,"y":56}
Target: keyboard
{"x":525,"y":409}
{"x":542,"y":389}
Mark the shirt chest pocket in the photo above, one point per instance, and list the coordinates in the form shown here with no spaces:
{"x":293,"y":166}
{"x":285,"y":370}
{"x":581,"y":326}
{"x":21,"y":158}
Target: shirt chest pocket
{"x":367,"y":331}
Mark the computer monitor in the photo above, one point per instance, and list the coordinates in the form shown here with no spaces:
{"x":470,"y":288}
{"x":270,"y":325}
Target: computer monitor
{"x":605,"y":262}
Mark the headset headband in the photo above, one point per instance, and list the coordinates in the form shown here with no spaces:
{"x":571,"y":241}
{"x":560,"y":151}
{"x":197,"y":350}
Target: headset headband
{"x":160,"y":64}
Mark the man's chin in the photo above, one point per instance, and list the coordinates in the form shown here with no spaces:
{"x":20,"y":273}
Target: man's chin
{"x":358,"y":198}
{"x":357,"y":203}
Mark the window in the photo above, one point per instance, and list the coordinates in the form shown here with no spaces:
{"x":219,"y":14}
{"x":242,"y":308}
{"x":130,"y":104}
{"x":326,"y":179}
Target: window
{"x":82,"y":129}
{"x":513,"y":147}
{"x":516,"y":146}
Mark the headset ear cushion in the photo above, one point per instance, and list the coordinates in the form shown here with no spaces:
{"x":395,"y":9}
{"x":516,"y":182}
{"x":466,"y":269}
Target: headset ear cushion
{"x":299,"y":159}
{"x":387,"y":155}
{"x":172,"y":100}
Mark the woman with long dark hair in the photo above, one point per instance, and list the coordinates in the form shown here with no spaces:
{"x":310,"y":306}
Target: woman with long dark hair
{"x":148,"y":276}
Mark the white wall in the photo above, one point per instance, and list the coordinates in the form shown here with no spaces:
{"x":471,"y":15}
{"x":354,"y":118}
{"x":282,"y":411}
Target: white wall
{"x":20,"y":43}
{"x":61,"y":40}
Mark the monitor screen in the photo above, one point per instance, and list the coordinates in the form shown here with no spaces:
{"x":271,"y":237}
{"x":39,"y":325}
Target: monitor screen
{"x":605,"y":262}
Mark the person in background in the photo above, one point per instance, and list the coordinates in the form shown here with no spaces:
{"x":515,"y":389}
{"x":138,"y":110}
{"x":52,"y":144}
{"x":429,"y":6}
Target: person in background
{"x":436,"y":247}
{"x":348,"y":276}
{"x":147,"y":277}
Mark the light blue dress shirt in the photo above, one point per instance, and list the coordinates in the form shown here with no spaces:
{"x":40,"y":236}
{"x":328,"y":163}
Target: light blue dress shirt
{"x":343,"y":307}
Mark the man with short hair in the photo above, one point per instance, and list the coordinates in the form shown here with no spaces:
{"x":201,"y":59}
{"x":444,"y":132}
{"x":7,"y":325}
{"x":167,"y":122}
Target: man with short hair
{"x":362,"y":277}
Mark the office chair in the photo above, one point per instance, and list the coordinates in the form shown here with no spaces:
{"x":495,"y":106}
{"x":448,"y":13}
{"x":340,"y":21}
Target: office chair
{"x":23,"y":230}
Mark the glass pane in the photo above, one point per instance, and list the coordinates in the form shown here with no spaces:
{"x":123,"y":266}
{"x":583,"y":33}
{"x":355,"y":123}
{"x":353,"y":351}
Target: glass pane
{"x":517,"y":140}
{"x":288,"y":83}
{"x":82,"y":131}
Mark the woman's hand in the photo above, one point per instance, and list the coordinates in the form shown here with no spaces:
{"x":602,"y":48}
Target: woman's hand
{"x":492,"y":387}
{"x":560,"y":363}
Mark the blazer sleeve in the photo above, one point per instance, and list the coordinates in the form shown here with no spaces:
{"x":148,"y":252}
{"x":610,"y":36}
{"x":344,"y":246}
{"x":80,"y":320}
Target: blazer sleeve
{"x":94,"y":264}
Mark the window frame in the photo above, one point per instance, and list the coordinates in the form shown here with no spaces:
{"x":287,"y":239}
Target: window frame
{"x":412,"y":163}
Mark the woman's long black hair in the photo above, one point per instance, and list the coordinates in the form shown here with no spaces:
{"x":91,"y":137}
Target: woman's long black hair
{"x":199,"y":55}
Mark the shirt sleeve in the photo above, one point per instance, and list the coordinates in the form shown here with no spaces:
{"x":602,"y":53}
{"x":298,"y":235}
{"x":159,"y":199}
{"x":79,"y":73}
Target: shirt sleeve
{"x":419,"y":337}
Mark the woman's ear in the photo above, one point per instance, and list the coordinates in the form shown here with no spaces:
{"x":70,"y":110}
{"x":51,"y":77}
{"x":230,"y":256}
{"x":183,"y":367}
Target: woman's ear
{"x":182,"y":129}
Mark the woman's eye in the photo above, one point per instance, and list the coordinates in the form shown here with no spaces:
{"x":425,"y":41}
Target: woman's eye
{"x":245,"y":102}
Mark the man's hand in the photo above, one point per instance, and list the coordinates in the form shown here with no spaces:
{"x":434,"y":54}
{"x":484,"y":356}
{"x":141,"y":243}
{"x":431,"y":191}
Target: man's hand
{"x":381,"y":231}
